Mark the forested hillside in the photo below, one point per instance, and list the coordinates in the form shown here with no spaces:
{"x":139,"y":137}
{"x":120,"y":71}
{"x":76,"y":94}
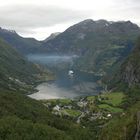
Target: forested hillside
{"x":15,"y":71}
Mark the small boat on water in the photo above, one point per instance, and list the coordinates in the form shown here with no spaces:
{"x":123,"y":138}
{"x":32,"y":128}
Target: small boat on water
{"x":70,"y":72}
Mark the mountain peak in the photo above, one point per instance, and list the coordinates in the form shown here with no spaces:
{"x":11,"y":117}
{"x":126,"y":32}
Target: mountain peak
{"x":8,"y":30}
{"x":87,"y":21}
{"x":126,"y":25}
{"x":52,"y":36}
{"x":101,"y":21}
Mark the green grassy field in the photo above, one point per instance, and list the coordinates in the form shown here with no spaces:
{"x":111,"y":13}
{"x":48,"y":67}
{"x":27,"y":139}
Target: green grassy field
{"x":91,"y":98}
{"x":72,"y":112}
{"x":114,"y":99}
{"x":110,"y":108}
{"x":65,"y":101}
{"x":58,"y":101}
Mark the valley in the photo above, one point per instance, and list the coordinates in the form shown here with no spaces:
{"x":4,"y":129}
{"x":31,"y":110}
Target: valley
{"x":79,"y":84}
{"x":98,"y":107}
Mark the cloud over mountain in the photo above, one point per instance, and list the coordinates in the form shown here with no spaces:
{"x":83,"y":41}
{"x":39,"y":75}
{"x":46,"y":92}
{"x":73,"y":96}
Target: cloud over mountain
{"x":36,"y":16}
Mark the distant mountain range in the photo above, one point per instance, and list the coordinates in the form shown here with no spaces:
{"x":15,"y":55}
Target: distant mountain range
{"x":101,"y":45}
{"x":88,"y":32}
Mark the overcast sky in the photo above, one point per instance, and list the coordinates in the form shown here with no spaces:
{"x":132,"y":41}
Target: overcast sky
{"x":40,"y":18}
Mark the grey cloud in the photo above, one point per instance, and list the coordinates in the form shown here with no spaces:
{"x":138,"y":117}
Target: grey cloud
{"x":33,"y":16}
{"x":26,"y":18}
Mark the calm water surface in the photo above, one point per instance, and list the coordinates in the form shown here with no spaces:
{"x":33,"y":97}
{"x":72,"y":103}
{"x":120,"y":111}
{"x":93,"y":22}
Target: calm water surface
{"x":65,"y":86}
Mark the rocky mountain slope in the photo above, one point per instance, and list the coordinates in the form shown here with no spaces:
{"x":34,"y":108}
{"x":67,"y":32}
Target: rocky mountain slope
{"x":130,"y":70}
{"x":101,"y":45}
{"x":128,"y":74}
{"x":23,"y":45}
{"x":52,"y":36}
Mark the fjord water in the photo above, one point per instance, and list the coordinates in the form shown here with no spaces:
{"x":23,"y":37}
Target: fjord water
{"x":65,"y":85}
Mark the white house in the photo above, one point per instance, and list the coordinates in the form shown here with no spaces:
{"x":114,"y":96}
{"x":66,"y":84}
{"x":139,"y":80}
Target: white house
{"x":57,"y":108}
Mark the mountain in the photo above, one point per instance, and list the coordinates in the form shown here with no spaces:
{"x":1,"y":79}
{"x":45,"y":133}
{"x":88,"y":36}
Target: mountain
{"x":88,"y":30}
{"x":101,"y":45}
{"x":15,"y":71}
{"x":23,"y":45}
{"x":52,"y":36}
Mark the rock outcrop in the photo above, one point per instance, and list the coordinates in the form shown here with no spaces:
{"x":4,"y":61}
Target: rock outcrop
{"x":130,"y":70}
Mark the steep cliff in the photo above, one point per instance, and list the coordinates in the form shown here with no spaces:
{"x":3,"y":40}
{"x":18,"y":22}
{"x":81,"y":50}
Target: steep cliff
{"x":130,"y":71}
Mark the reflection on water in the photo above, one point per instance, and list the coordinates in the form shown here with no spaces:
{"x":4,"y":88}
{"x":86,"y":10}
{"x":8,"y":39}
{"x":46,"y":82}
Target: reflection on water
{"x":65,"y":86}
{"x":52,"y":91}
